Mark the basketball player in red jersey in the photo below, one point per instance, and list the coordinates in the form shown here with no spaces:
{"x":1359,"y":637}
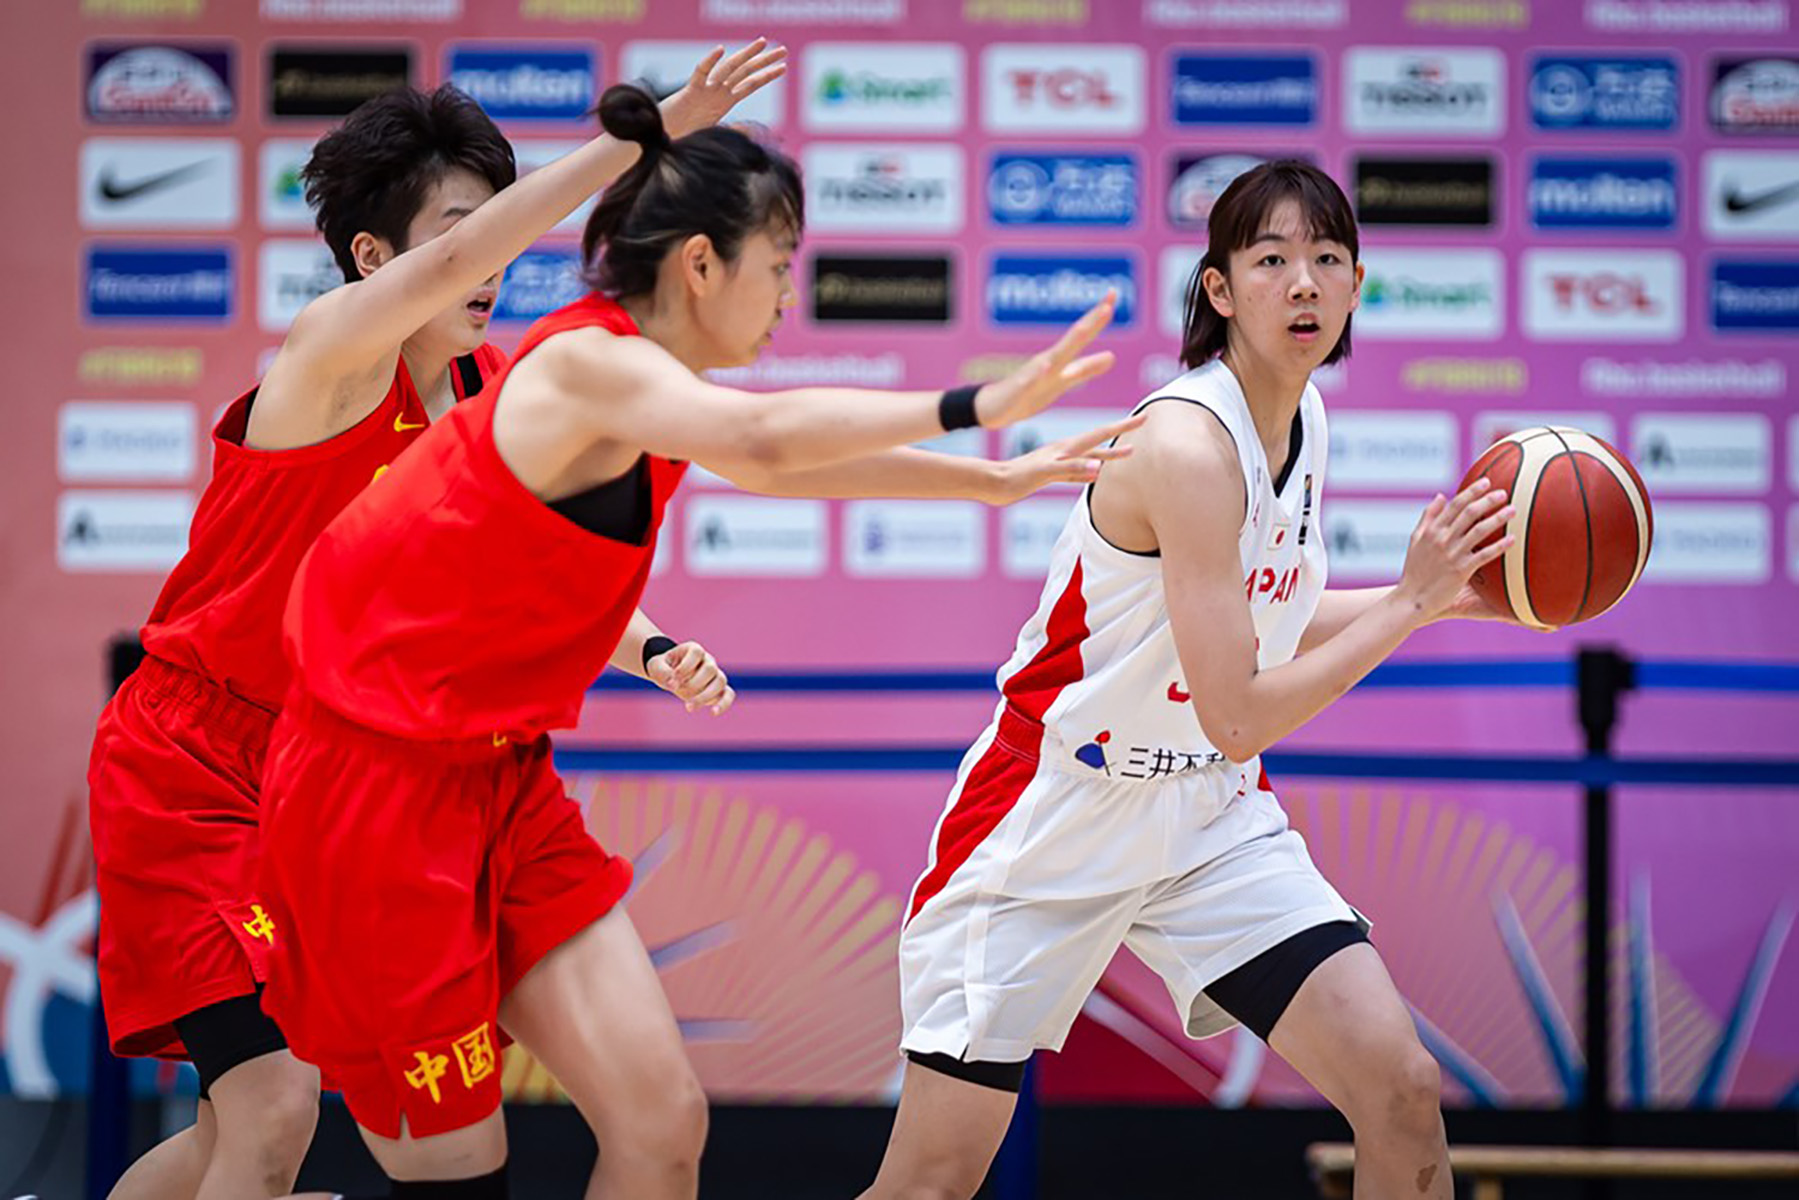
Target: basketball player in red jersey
{"x":435,"y":891}
{"x":1117,"y":799}
{"x":415,"y":196}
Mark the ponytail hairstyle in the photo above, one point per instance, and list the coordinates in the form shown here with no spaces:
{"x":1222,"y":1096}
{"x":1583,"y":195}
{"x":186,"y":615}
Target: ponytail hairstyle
{"x":1240,"y":215}
{"x":717,"y":181}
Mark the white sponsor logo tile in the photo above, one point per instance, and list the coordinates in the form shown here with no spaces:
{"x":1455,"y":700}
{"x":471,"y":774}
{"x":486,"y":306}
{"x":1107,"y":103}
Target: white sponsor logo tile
{"x":884,"y":188}
{"x":1049,"y":87}
{"x":121,"y":530}
{"x":899,"y":86}
{"x":919,"y":539}
{"x":1366,"y":540}
{"x":664,"y":66}
{"x":281,"y":199}
{"x":754,"y":535}
{"x":1028,"y":533}
{"x":159,"y":183}
{"x":1623,"y":295}
{"x":1392,"y":450}
{"x":1752,"y":195}
{"x":1702,"y":452}
{"x":1439,"y":293}
{"x":133,"y":441}
{"x":290,"y":273}
{"x":1424,"y":91}
{"x":1701,"y":542}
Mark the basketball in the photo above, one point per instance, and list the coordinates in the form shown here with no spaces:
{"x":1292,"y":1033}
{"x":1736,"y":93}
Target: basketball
{"x":1582,"y":530}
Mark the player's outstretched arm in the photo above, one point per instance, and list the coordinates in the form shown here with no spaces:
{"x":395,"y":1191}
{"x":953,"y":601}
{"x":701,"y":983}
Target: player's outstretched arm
{"x":349,"y":329}
{"x":1192,"y":493}
{"x":630,"y":391}
{"x":909,"y":473}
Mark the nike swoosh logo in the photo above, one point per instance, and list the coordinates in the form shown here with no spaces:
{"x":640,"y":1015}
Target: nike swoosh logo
{"x":401,"y":426}
{"x":113,"y":190}
{"x":1743,"y":202}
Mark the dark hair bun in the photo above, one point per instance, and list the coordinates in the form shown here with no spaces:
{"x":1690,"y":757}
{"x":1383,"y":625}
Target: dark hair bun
{"x":629,"y":113}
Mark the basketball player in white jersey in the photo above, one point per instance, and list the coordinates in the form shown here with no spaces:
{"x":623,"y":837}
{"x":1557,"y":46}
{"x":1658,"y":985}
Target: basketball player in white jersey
{"x":1118,"y":798}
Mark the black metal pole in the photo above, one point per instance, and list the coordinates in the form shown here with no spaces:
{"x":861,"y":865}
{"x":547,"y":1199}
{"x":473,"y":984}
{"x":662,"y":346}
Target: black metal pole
{"x":109,"y":1077}
{"x":1602,"y":676}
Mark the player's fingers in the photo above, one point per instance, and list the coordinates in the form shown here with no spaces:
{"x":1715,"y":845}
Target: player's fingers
{"x":1483,"y":529}
{"x":703,"y":72}
{"x":1083,"y":369}
{"x":724,"y":704}
{"x":759,"y":63}
{"x":712,"y":693}
{"x":1477,"y":509}
{"x":756,"y":83}
{"x":1076,"y":337}
{"x":1108,"y":453}
{"x":1083,"y":442}
{"x":738,"y":57}
{"x":1487,"y":554}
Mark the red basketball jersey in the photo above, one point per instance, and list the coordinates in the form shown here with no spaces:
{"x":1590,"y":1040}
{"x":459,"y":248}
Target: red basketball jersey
{"x":450,"y":602}
{"x":219,"y":613}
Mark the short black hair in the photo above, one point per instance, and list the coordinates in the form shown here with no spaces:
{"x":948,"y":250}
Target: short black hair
{"x":1239,"y":216}
{"x":371,"y":173}
{"x":718,"y":181}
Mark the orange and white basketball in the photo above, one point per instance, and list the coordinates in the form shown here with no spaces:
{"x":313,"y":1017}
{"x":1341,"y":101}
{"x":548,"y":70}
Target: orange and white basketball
{"x":1582,"y":531}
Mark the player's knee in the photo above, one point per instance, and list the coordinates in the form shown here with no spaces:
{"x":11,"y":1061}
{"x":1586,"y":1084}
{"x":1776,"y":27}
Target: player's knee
{"x":1412,"y":1088}
{"x":277,"y":1130}
{"x":665,"y":1131}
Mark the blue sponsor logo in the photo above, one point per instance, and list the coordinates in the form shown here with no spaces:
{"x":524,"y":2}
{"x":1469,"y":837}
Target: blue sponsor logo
{"x":1063,"y":189}
{"x":1234,"y":89}
{"x":1588,"y":92}
{"x":1043,"y":289}
{"x":537,"y":283}
{"x":157,"y":285}
{"x":524,"y":84}
{"x":1755,"y":295}
{"x":1600,"y":193}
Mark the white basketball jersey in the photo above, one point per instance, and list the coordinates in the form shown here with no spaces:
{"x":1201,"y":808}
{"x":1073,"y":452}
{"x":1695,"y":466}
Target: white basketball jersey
{"x":1096,"y":663}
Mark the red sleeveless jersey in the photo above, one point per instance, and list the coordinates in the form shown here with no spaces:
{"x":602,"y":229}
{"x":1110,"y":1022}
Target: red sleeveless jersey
{"x":450,"y":602}
{"x":219,"y":614}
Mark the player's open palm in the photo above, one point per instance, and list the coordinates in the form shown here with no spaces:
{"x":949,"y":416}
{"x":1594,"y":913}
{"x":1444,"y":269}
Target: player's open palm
{"x":692,"y":676}
{"x":718,"y":84}
{"x":1074,"y":459}
{"x":1046,"y":375}
{"x":1454,"y":538}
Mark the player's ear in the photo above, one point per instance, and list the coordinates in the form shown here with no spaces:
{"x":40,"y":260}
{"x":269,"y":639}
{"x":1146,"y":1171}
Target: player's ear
{"x":1355,"y":301}
{"x":1218,"y":291}
{"x":370,"y":252}
{"x":700,"y":266}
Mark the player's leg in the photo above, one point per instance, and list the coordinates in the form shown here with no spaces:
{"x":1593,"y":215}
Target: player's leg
{"x":265,"y":1111}
{"x":1348,"y":1032}
{"x":593,"y":1012}
{"x":947,"y":1129}
{"x":172,"y":1170}
{"x":579,"y":991}
{"x":1258,"y":934}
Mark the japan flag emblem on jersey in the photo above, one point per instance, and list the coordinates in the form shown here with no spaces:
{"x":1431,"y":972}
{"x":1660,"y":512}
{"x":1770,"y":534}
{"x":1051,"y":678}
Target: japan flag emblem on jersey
{"x":1278,"y":534}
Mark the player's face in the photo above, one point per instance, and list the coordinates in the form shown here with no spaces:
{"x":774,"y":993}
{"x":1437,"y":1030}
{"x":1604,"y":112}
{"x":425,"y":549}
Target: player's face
{"x":740,"y":318}
{"x":459,"y":329}
{"x":1290,"y":293}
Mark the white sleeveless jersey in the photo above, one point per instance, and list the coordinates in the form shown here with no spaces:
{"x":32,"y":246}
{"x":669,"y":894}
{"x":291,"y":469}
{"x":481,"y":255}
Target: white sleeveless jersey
{"x":1096,"y":663}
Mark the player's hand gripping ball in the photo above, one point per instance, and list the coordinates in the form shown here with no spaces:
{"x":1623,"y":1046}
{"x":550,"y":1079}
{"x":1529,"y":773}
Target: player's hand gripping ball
{"x":1583,"y":526}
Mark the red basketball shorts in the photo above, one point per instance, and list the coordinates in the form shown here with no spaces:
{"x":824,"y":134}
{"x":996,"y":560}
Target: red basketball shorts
{"x":172,"y":805}
{"x":412,"y":885}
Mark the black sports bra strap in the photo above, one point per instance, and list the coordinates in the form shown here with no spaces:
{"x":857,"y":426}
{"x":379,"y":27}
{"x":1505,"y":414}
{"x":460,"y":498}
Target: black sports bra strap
{"x":468,"y":375}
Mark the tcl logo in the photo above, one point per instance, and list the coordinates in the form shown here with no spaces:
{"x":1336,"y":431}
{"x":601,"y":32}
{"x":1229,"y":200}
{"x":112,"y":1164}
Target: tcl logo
{"x":1572,"y":295}
{"x":1047,"y":88}
{"x":1069,"y":87}
{"x":1604,"y":292}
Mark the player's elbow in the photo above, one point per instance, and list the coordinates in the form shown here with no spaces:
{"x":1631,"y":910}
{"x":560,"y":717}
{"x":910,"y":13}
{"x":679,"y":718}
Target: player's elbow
{"x":1231,"y":738}
{"x":757,"y":443}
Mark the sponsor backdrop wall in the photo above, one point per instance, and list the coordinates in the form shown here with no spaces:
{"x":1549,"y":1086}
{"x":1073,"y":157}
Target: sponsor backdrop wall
{"x":1586,"y":211}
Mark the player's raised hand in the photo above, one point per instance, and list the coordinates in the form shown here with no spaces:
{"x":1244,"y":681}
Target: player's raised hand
{"x":1046,"y":375}
{"x":718,"y":84}
{"x":1454,"y":538}
{"x":692,"y":676}
{"x":1074,"y":459}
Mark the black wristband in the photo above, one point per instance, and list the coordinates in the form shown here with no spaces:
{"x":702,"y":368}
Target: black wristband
{"x":956,"y":409}
{"x":654,"y":646}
